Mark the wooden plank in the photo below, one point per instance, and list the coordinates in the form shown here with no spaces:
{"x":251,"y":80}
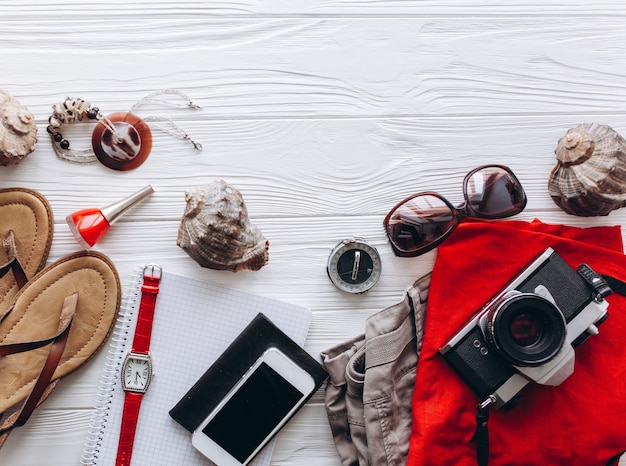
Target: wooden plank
{"x":314,"y":168}
{"x":385,"y":8}
{"x":319,"y":67}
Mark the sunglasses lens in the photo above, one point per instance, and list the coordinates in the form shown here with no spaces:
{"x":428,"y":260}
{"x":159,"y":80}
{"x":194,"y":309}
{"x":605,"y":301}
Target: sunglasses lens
{"x":415,"y":226}
{"x":493,"y":192}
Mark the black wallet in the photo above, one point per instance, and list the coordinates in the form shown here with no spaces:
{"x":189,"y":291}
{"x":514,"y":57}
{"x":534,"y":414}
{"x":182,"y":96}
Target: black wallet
{"x":227,"y":370}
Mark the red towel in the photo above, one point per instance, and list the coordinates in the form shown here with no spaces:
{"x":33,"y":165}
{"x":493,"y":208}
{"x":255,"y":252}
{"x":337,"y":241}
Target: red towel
{"x":580,"y":422}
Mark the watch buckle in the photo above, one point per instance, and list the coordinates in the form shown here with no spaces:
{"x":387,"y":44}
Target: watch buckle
{"x":153,"y":271}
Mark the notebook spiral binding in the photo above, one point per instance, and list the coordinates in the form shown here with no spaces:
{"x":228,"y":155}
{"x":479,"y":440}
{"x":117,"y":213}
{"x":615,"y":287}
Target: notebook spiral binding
{"x":110,"y":372}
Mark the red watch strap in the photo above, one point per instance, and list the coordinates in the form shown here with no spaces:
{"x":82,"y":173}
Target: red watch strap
{"x":149,"y":291}
{"x":130,"y":415}
{"x":141,"y":344}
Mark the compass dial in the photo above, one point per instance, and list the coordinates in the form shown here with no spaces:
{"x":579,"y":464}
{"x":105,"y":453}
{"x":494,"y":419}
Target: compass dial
{"x":354,"y":266}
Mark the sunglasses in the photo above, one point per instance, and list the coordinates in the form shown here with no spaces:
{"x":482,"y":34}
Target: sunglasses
{"x":421,"y":222}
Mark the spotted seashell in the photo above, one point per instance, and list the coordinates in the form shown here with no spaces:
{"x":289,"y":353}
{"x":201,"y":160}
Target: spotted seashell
{"x":18,"y":131}
{"x":590,"y":176}
{"x":216,"y":232}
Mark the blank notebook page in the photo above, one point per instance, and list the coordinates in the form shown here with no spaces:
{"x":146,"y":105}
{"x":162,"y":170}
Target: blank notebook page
{"x":194,"y":323}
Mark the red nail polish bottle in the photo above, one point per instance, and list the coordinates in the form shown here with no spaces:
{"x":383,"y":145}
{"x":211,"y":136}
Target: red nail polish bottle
{"x":90,"y":225}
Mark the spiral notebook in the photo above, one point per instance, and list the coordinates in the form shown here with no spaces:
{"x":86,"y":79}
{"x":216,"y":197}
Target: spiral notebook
{"x":194,"y":323}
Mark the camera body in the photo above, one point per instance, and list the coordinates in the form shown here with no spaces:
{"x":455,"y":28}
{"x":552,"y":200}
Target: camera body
{"x":528,"y":331}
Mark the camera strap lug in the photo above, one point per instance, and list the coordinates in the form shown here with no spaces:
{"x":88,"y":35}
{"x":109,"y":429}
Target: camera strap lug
{"x":595,"y":281}
{"x":481,"y":435}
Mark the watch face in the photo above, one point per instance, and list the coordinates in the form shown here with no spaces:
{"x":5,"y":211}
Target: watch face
{"x":354,"y":266}
{"x":136,"y":373}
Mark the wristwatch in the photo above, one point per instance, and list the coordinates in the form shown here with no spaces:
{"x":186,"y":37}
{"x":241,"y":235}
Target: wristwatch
{"x":137,"y":367}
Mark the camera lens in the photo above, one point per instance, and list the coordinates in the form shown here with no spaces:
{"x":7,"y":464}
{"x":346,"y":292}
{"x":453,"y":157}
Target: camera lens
{"x":527,"y":329}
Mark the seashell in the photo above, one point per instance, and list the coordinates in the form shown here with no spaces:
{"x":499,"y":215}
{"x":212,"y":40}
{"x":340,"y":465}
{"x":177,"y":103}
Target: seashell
{"x":18,"y":131}
{"x":216,"y":232}
{"x":590,"y":176}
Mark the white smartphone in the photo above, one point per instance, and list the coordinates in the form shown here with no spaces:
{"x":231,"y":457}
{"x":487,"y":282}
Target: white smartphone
{"x":254,"y":410}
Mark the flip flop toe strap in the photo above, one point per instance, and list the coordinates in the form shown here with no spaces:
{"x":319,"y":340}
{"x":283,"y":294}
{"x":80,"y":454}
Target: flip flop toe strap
{"x":43,"y":386}
{"x":13,"y":264}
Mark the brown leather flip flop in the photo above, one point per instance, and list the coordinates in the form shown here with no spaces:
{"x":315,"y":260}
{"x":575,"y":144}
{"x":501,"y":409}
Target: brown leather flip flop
{"x":58,"y":322}
{"x":26,"y":227}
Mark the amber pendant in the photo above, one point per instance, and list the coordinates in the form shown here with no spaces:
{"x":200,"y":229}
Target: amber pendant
{"x":122,"y":142}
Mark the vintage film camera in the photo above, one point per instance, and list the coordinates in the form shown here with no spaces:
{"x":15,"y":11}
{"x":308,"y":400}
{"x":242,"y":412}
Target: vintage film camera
{"x":528,"y":331}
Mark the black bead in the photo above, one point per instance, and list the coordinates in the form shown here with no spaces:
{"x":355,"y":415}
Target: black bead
{"x":92,"y":114}
{"x":58,"y":137}
{"x":65,"y":144}
{"x":50,"y":129}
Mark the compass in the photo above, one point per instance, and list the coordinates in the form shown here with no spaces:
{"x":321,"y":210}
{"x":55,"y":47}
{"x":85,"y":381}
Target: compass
{"x":354,"y":266}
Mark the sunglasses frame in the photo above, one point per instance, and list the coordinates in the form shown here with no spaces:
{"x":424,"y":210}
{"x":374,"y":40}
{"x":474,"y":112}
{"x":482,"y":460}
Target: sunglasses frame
{"x":460,"y":213}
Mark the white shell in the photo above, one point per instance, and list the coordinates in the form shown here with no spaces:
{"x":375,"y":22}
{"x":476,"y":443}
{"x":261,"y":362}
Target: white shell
{"x":18,"y":131}
{"x":590,"y":176}
{"x":216,"y":232}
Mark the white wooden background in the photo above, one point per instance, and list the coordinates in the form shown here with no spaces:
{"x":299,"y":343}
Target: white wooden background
{"x":323,"y":114}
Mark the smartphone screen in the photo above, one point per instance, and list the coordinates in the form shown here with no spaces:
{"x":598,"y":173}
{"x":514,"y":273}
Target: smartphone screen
{"x":259,"y":405}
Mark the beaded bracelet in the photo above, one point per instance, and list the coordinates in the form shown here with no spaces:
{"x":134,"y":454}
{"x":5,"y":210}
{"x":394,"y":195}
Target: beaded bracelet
{"x":121,"y":140}
{"x":71,"y":110}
